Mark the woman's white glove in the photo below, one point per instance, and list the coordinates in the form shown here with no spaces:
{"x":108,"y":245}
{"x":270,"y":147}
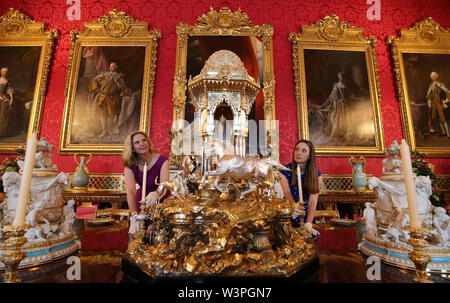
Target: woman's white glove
{"x":134,"y":224}
{"x":152,"y":198}
{"x":311,"y":230}
{"x":297,"y":211}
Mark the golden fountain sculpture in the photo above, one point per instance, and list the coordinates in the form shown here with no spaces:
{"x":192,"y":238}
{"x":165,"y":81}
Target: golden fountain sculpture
{"x":224,"y":217}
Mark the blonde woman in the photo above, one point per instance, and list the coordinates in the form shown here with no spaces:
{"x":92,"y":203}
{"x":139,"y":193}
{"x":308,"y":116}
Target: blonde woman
{"x":138,"y":151}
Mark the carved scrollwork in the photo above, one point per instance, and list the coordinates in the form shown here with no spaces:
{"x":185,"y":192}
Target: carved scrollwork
{"x":427,"y":31}
{"x":332,"y":29}
{"x":224,"y":22}
{"x":116,"y":24}
{"x":14,"y":23}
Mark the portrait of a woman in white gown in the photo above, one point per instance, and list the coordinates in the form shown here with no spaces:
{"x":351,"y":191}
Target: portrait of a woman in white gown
{"x":340,"y":111}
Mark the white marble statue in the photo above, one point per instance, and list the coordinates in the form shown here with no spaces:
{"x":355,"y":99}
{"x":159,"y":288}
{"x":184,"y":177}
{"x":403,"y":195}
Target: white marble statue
{"x":44,"y":212}
{"x":34,"y":219}
{"x":392,"y":164}
{"x":370,"y":219}
{"x":44,"y":160}
{"x":423,"y":192}
{"x":11,"y":184}
{"x":441,"y":224}
{"x":392,"y":210}
{"x":68,"y":216}
{"x":396,"y":230}
{"x":389,"y":238}
{"x":390,"y":195}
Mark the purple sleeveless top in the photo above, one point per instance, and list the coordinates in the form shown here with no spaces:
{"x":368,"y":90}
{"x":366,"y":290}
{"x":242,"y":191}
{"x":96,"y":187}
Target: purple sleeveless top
{"x":152,"y":174}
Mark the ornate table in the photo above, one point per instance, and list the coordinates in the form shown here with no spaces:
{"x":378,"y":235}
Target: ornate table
{"x":102,"y":188}
{"x":117,"y":199}
{"x":329,"y":199}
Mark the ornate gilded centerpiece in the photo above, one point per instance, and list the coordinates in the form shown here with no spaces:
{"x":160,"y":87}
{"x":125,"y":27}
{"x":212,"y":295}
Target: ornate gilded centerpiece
{"x":224,"y":217}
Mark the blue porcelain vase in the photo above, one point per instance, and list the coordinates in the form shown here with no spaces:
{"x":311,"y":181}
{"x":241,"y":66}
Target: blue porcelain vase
{"x":80,"y":178}
{"x":359,"y":177}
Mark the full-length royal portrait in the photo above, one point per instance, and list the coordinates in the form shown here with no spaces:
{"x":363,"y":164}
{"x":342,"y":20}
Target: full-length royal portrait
{"x":25,"y":56}
{"x":421,"y":60}
{"x":18,"y":72}
{"x":109,"y":86}
{"x":109,"y":93}
{"x":428,"y":79}
{"x":337,"y":88}
{"x":338,"y":98}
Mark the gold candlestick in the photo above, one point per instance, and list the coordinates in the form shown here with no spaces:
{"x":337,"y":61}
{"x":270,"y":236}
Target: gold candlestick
{"x":418,"y":255}
{"x":14,"y":240}
{"x":142,"y":215}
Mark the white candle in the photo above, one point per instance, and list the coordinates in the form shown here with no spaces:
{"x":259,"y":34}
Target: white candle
{"x":299,"y":181}
{"x":25,"y":181}
{"x":144,"y":181}
{"x":409,"y":183}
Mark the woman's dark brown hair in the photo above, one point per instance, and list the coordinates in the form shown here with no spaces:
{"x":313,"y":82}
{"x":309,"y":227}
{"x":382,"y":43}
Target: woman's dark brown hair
{"x":310,"y":170}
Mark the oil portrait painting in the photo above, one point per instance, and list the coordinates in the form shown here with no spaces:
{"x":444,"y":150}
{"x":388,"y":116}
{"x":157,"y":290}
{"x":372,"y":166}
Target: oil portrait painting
{"x":339,"y":106}
{"x":108,"y":95}
{"x":19,"y":68}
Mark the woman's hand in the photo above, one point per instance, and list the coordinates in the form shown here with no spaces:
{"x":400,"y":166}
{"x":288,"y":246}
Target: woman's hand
{"x":152,"y":198}
{"x":311,"y":230}
{"x":134,"y":224}
{"x":297,"y":211}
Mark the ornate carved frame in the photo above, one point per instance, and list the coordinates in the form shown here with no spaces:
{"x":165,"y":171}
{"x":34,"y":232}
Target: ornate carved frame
{"x":224,"y":23}
{"x":114,"y":29}
{"x":425,"y":37}
{"x":332,"y":34}
{"x":16,"y":30}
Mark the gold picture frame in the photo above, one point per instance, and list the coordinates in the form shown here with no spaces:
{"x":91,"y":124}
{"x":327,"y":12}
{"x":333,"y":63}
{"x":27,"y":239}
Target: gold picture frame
{"x":224,"y":29}
{"x":26,"y":50}
{"x":418,"y":51}
{"x":109,"y":85}
{"x":337,"y":89}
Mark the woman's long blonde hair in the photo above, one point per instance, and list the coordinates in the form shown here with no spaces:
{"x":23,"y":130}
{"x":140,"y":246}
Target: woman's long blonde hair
{"x":129,"y":158}
{"x":311,"y":171}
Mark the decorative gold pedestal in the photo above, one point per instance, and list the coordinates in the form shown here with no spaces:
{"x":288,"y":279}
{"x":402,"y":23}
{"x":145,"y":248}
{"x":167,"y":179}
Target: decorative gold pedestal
{"x":220,"y":239}
{"x":14,"y":240}
{"x":419,"y":257}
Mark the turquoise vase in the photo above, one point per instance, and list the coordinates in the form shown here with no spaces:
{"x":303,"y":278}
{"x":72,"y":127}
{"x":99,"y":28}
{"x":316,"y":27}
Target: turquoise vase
{"x":359,"y":177}
{"x":80,"y":178}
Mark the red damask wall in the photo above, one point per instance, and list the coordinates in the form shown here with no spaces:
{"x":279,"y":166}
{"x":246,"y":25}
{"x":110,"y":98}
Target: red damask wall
{"x":286,"y":16}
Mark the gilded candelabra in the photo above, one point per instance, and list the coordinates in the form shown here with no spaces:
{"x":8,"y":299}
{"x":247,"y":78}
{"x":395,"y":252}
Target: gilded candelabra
{"x":419,"y":256}
{"x":14,"y":240}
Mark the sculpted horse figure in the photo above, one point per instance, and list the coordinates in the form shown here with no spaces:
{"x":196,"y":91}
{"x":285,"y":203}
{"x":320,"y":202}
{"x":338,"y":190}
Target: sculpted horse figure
{"x":217,"y":149}
{"x":255,"y":171}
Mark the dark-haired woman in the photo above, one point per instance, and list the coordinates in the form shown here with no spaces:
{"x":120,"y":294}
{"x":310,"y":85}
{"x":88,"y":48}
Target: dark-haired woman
{"x":304,"y":156}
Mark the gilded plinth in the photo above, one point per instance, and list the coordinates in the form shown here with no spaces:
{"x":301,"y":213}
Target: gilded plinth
{"x":239,"y":238}
{"x":14,"y":240}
